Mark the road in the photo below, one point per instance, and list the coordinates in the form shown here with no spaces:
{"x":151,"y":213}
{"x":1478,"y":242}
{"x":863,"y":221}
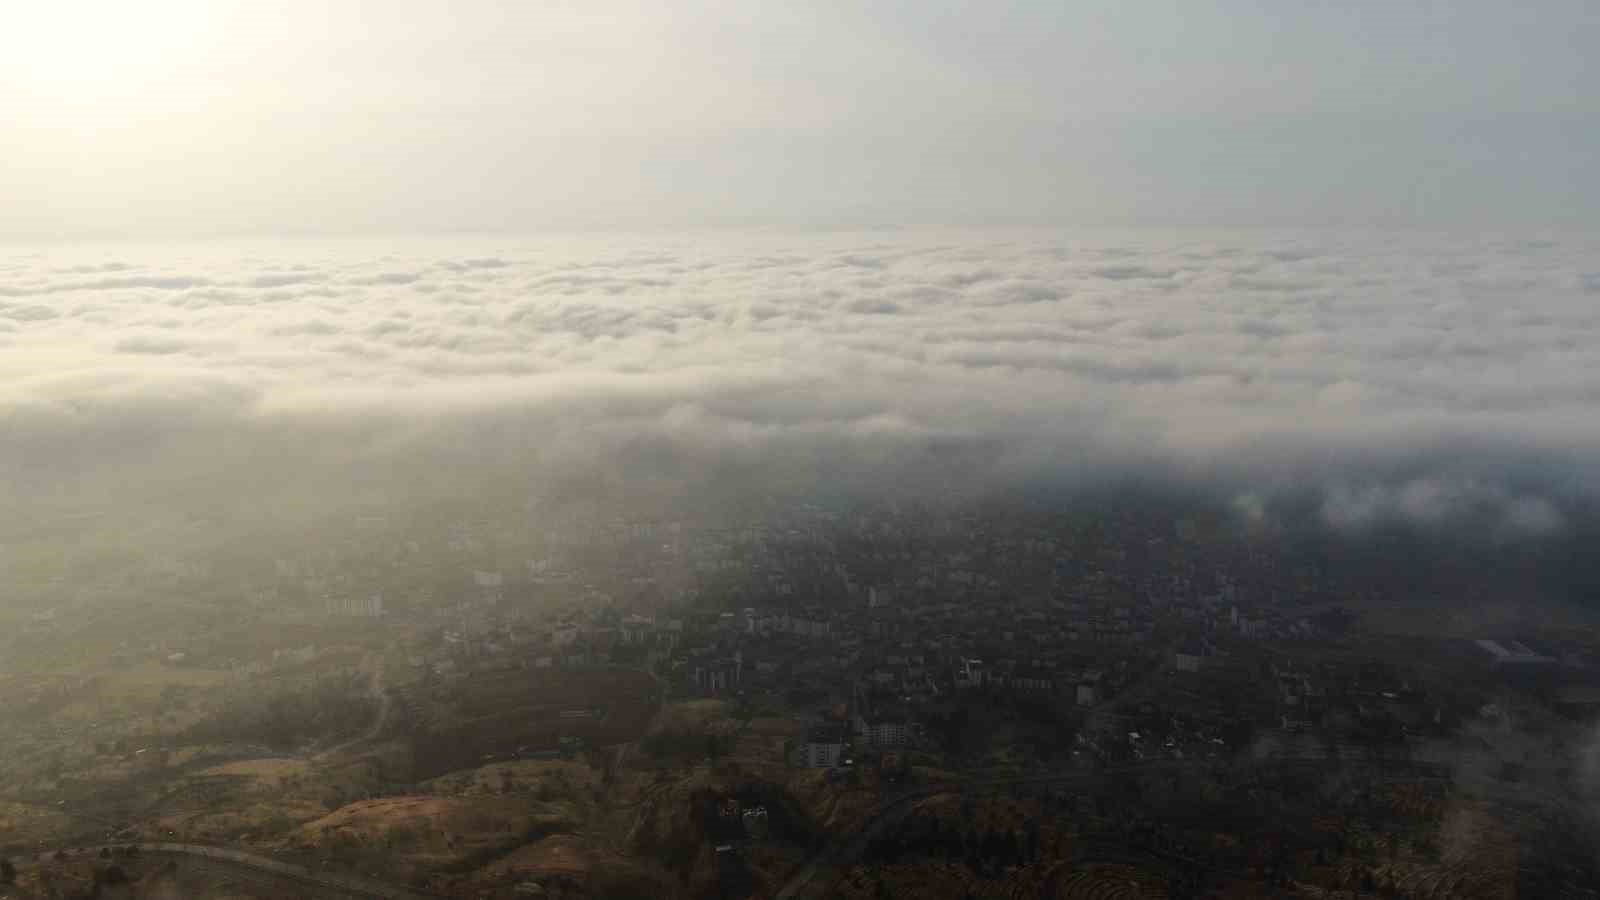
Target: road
{"x":815,"y":877}
{"x":823,"y":869}
{"x":385,"y":703}
{"x":274,"y":871}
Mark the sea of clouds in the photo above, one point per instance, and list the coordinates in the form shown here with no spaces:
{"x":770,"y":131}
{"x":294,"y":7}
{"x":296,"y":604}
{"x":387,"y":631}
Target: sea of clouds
{"x":1387,"y":375}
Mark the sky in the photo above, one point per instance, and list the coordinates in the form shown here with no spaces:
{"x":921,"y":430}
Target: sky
{"x":283,"y":263}
{"x":219,"y":117}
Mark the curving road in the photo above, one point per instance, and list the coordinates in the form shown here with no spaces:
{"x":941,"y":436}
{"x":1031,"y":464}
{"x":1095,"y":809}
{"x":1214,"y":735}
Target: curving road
{"x":320,"y":883}
{"x":385,"y":703}
{"x":822,"y":870}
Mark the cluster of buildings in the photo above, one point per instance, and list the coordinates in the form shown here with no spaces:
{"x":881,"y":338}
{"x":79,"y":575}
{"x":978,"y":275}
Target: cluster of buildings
{"x":895,"y":616}
{"x":1133,"y":621}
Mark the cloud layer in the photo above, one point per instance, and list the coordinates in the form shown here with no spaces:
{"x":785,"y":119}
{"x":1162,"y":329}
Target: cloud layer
{"x":1391,"y":377}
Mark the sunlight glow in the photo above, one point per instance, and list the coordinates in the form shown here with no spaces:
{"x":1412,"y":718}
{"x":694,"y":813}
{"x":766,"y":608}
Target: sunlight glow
{"x":86,"y":54}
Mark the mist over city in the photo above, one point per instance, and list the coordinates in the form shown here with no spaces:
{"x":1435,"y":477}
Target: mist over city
{"x":799,"y":450}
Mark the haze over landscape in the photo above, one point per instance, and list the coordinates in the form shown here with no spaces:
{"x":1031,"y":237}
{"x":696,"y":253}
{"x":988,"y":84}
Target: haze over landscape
{"x":1020,"y":448}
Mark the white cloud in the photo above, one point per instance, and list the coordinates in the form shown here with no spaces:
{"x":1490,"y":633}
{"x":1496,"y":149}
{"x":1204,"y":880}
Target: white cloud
{"x":1401,"y":377}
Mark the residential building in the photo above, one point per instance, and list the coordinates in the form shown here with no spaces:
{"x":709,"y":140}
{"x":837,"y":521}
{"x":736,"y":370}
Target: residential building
{"x":824,"y":747}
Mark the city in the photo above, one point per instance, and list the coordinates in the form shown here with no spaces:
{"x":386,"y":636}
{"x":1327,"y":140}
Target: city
{"x":823,"y":700}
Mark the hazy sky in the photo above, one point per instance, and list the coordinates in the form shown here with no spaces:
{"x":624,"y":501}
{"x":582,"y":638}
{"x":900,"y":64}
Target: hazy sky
{"x":206,"y":116}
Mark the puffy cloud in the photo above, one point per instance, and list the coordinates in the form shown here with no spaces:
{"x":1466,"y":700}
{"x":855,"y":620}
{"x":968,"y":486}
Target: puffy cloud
{"x":1397,"y":378}
{"x":158,"y":282}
